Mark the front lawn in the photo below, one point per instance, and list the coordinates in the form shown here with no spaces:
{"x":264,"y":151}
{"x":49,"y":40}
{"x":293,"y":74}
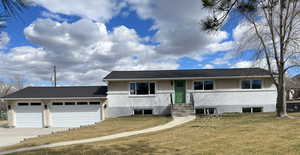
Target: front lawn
{"x":229,"y":134}
{"x":107,"y":127}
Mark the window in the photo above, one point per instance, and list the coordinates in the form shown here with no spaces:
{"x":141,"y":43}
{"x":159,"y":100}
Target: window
{"x":23,"y":104}
{"x":252,"y":109}
{"x":82,"y":103}
{"x":57,"y":103}
{"x":138,"y":112}
{"x":246,"y":84}
{"x":256,"y":84}
{"x":200,"y":111}
{"x":142,"y":88}
{"x":143,"y":111}
{"x":148,"y":112}
{"x":94,"y":103}
{"x":251,"y":84}
{"x":257,"y":109}
{"x":206,"y":111}
{"x":204,"y":85}
{"x":198,"y":85}
{"x":210,"y":111}
{"x":246,"y":110}
{"x":35,"y":104}
{"x":69,"y":103}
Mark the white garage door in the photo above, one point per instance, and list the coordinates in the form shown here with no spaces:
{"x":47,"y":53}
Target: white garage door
{"x":72,"y":114}
{"x":29,"y":115}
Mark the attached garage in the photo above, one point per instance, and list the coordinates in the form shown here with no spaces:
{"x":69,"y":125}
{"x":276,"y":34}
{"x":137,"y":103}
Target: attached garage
{"x":29,"y":115}
{"x":38,"y":107}
{"x":75,"y":114}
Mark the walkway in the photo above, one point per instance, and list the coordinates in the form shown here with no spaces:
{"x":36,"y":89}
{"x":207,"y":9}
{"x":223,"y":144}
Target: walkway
{"x":176,"y":121}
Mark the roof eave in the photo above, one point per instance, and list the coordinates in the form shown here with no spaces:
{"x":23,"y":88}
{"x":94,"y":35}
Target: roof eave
{"x":191,"y":78}
{"x":53,"y":98}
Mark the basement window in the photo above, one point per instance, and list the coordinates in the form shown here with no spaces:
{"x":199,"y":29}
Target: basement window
{"x":57,"y":103}
{"x":23,"y":104}
{"x":148,"y":112}
{"x":200,"y":111}
{"x":143,"y":112}
{"x":138,"y":112}
{"x":206,"y":111}
{"x":252,"y":109}
{"x":246,"y":110}
{"x":69,"y":103}
{"x":257,"y":109}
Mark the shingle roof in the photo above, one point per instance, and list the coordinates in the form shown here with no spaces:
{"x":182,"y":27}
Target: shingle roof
{"x":194,"y":73}
{"x":60,"y":92}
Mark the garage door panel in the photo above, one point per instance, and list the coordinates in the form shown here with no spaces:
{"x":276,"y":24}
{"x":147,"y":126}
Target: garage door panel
{"x":29,"y":117}
{"x":75,"y":115}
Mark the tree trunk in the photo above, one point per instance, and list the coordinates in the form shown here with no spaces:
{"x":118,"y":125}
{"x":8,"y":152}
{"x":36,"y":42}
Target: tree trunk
{"x":281,"y":98}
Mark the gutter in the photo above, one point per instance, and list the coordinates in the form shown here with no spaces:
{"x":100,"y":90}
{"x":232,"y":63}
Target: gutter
{"x":189,"y":78}
{"x":54,"y":98}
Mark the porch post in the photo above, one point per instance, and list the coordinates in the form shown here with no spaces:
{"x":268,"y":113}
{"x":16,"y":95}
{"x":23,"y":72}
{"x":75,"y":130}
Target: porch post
{"x":11,"y":114}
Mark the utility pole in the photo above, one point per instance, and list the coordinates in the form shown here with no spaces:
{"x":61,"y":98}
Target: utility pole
{"x":54,"y":71}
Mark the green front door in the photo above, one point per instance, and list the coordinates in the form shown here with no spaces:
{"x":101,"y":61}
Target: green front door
{"x":180,"y":91}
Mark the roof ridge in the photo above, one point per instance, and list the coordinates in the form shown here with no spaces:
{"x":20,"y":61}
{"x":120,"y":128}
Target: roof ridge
{"x":63,"y":86}
{"x":187,"y":69}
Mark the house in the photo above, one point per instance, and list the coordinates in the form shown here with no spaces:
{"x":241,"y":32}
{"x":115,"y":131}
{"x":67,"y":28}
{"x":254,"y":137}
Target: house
{"x":157,"y":92}
{"x":210,"y":90}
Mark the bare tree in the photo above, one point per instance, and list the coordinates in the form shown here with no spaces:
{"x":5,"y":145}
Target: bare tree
{"x":11,"y":8}
{"x":5,"y":89}
{"x":275,"y":25}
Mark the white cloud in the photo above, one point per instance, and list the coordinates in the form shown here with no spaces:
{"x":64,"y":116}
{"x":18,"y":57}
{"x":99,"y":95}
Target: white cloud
{"x":99,"y":10}
{"x":220,"y":61}
{"x":4,"y":40}
{"x":178,"y":27}
{"x":52,"y":16}
{"x":83,"y":52}
{"x":243,"y":64}
{"x":208,"y":66}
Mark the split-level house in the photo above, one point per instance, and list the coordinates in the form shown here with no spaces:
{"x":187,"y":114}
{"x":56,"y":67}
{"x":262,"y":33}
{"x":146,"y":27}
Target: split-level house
{"x":155,"y":92}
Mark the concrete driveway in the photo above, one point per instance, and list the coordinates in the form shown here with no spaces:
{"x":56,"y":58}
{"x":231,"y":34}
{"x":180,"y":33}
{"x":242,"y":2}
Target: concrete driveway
{"x":16,"y":135}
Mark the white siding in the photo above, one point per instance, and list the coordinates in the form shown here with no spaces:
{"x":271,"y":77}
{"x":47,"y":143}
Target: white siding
{"x":261,"y":98}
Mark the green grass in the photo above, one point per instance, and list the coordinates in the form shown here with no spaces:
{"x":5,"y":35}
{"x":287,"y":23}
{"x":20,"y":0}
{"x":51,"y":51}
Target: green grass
{"x":229,"y":134}
{"x":107,"y":127}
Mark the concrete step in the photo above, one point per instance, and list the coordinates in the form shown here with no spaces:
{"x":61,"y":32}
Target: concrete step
{"x":182,"y":110}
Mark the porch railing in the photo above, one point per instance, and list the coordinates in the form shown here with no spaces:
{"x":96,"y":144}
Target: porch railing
{"x":171,"y":99}
{"x":192,"y":100}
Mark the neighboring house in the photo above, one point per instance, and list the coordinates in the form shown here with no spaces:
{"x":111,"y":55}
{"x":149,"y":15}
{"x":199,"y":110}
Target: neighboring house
{"x":293,"y":94}
{"x":157,"y":92}
{"x":56,"y":106}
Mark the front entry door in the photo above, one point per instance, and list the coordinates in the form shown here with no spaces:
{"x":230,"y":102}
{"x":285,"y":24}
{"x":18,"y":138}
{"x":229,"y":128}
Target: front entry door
{"x":180,"y":91}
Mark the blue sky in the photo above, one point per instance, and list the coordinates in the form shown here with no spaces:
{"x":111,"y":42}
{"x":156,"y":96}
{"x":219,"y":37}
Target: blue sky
{"x":91,"y":38}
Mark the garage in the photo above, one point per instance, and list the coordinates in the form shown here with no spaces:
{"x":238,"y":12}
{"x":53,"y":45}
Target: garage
{"x":67,"y":107}
{"x":75,"y":114}
{"x":29,"y":115}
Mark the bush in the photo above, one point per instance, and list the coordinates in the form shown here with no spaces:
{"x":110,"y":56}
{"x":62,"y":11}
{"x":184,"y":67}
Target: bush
{"x":3,"y":115}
